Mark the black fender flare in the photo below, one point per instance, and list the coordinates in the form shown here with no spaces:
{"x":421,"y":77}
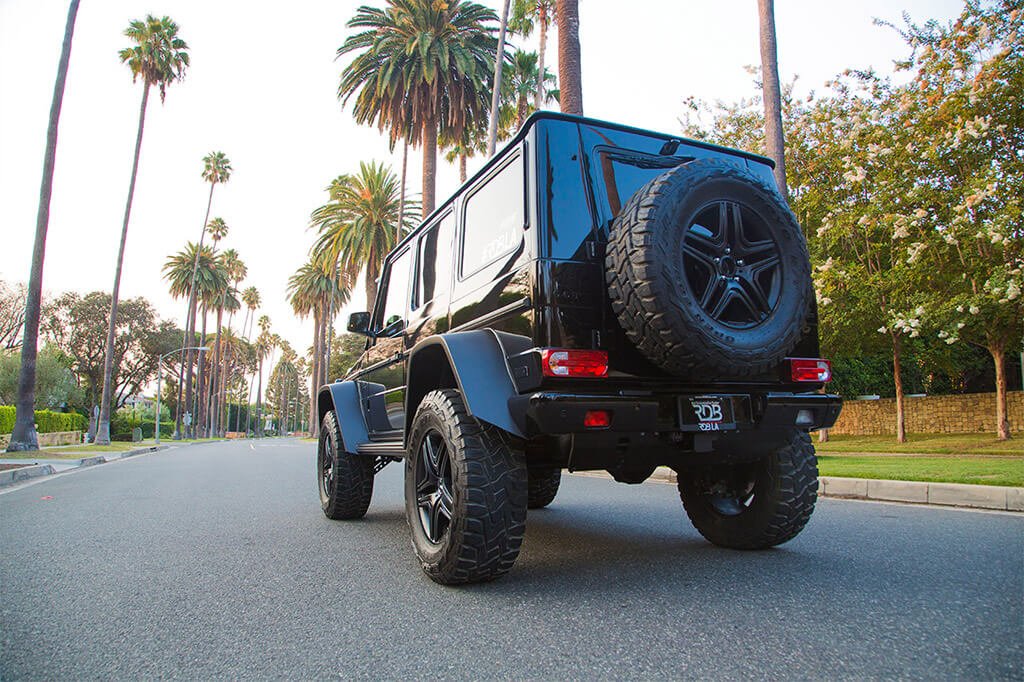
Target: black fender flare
{"x":474,"y":362}
{"x":343,"y":398}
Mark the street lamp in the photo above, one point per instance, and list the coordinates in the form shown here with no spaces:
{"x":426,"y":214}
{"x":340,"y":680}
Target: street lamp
{"x":159,"y":378}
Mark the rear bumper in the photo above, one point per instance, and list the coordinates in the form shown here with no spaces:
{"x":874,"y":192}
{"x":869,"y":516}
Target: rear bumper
{"x":563,"y":413}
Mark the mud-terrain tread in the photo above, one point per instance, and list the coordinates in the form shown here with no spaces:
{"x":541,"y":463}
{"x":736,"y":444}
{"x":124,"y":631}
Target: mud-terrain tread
{"x":543,"y":487}
{"x":353,"y":475}
{"x":788,"y":494}
{"x":489,"y":496}
{"x":649,"y":303}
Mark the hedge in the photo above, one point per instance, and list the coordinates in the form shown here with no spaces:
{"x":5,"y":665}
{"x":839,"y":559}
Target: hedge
{"x":46,"y":421}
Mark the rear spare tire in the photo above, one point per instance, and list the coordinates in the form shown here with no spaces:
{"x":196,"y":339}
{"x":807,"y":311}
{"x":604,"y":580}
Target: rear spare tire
{"x":708,"y":272}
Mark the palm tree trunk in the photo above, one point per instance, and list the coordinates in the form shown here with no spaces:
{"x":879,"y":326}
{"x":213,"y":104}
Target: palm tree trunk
{"x":259,"y":401}
{"x":214,"y":398}
{"x":190,"y":324}
{"x":199,"y":401}
{"x":401,"y":198}
{"x":521,"y":111}
{"x":542,"y":19}
{"x":24,"y":436}
{"x":314,"y":372}
{"x":462,"y":168}
{"x":570,"y":78}
{"x":103,"y":428}
{"x":499,"y":60}
{"x":772,"y":94}
{"x":429,"y":164}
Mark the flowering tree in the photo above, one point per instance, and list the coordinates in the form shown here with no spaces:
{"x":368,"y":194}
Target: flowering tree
{"x":965,"y":102}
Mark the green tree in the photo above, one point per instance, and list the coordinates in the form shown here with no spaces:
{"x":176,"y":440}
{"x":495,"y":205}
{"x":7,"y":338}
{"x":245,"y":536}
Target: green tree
{"x":23,"y":436}
{"x":539,"y":14}
{"x":314,"y":289}
{"x":964,"y":104}
{"x":12,"y":315}
{"x":56,"y":385}
{"x":358,"y":226}
{"x":524,"y":82}
{"x":159,"y":57}
{"x":216,"y":170}
{"x":420,"y":67}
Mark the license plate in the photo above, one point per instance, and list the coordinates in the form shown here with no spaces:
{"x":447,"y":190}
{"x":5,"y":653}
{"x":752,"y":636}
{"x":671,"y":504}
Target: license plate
{"x":706,"y":413}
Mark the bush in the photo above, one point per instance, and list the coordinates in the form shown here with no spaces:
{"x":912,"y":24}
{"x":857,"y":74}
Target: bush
{"x":166,"y":429}
{"x":46,"y":421}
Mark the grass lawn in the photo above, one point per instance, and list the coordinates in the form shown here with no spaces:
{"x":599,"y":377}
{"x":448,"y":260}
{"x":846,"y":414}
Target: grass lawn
{"x":928,"y":443}
{"x":976,"y":470}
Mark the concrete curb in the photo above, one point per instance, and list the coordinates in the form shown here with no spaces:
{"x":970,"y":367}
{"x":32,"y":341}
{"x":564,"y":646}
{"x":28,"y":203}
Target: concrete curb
{"x":21,"y":474}
{"x":1002,"y":498}
{"x":12,"y":476}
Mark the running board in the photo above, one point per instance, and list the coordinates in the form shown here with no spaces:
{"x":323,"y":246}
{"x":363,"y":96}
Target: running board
{"x":382,"y":449}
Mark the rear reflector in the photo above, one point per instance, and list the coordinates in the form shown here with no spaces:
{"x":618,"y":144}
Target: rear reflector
{"x":559,"y":362}
{"x":597,"y":419}
{"x":813,"y":370}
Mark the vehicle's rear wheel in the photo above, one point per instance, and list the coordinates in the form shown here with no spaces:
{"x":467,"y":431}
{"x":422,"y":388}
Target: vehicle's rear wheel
{"x":757,"y":504}
{"x":708,"y":272}
{"x":543,"y":486}
{"x":345,"y":481}
{"x":465,"y":493}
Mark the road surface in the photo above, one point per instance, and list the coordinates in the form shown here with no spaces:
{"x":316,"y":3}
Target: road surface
{"x":214,"y":561}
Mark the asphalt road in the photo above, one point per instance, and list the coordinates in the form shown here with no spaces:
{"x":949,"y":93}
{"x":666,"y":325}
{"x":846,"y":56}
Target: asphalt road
{"x":214,"y":561}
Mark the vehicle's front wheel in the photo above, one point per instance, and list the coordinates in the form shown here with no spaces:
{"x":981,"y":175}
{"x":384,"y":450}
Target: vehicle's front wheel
{"x":543,"y":487}
{"x":754,"y":505}
{"x":345,"y":481}
{"x":465,"y":493}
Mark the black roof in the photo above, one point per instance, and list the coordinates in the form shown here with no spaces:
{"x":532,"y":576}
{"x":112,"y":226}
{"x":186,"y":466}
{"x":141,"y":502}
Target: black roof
{"x":540,"y":116}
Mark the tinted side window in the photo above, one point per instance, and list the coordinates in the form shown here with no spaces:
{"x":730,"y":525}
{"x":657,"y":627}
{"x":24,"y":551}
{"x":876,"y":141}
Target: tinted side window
{"x":625,"y":173}
{"x":397,"y":292}
{"x":495,"y":216}
{"x":435,"y":262}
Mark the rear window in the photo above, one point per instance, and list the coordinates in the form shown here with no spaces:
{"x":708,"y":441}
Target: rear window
{"x":624,"y":172}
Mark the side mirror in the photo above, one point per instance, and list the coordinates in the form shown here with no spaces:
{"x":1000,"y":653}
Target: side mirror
{"x":359,"y":323}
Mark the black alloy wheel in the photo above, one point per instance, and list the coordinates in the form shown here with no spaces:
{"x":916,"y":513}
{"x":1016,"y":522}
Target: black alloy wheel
{"x":732,"y":264}
{"x":434,"y":486}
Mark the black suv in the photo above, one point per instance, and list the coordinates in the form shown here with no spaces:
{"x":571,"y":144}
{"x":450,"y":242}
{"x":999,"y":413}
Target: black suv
{"x":597,"y":297}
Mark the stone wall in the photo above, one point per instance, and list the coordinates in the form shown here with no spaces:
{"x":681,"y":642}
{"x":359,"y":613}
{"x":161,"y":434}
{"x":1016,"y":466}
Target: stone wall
{"x":975,"y":412}
{"x":49,"y":439}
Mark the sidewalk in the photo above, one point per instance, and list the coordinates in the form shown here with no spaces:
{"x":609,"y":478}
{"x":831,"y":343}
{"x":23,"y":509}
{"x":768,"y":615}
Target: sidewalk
{"x":43,"y":466}
{"x":995,"y":497}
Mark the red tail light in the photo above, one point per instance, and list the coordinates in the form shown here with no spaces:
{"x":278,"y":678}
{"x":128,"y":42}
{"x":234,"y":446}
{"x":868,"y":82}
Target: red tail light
{"x":813,"y":370}
{"x":560,"y":362}
{"x":597,"y":419}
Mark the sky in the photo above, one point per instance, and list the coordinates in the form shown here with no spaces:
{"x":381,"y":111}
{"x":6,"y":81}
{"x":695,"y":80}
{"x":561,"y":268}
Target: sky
{"x":262,"y":89}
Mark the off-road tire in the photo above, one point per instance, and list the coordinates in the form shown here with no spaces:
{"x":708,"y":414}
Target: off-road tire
{"x":784,"y":492}
{"x":488,"y":490}
{"x":347,"y":493}
{"x":647,"y":274}
{"x":543,"y":486}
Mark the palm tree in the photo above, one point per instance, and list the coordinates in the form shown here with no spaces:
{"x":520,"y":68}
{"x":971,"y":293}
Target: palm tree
{"x":251,"y":299}
{"x":359,"y":225}
{"x":264,"y":345}
{"x":313,"y":289}
{"x":24,"y":436}
{"x":209,"y":279}
{"x":525,"y":15}
{"x":421,"y":67}
{"x":216,"y":170}
{"x":569,"y":72}
{"x":159,"y":57}
{"x":772,"y":94}
{"x":525,"y":82}
{"x":496,"y":89}
{"x":218,"y":230}
{"x":236,"y":271}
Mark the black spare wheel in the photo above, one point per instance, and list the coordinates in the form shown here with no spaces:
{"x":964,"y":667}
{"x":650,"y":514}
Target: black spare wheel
{"x":708,"y":272}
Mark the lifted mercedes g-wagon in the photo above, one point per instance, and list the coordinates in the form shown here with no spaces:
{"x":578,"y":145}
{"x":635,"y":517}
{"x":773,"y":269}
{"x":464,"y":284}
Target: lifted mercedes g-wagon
{"x":597,"y":297}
